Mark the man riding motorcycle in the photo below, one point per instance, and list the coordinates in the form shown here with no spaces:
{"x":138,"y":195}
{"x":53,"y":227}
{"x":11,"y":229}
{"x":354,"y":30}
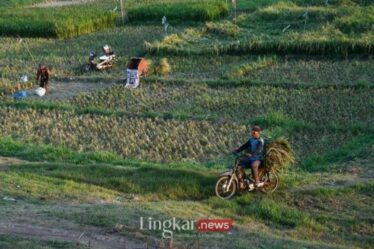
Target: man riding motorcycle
{"x":253,"y":157}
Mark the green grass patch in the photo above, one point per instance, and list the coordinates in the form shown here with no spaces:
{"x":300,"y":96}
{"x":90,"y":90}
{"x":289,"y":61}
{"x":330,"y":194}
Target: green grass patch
{"x":279,"y":119}
{"x":254,"y":4}
{"x":349,"y":151}
{"x":64,"y":22}
{"x":271,"y":212}
{"x":180,"y":11}
{"x":344,"y":211}
{"x":274,"y":212}
{"x":31,"y":185}
{"x":42,"y":152}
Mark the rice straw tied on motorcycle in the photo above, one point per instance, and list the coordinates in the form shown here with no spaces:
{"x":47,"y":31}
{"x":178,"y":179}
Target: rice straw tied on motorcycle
{"x":279,"y":155}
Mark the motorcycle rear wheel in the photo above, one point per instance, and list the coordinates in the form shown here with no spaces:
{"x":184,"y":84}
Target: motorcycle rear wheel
{"x":220,"y":188}
{"x":86,"y":68}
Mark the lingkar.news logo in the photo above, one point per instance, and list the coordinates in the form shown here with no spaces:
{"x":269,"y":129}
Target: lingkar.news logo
{"x":169,"y":226}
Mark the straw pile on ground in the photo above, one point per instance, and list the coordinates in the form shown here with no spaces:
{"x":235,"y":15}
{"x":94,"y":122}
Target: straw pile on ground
{"x":162,"y":67}
{"x":278,"y":154}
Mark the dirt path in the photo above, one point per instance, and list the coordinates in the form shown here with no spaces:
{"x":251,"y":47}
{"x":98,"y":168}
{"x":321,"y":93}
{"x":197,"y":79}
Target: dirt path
{"x":61,"y":3}
{"x":333,"y":185}
{"x":9,"y":161}
{"x":91,"y":237}
{"x":22,"y":221}
{"x":64,"y":90}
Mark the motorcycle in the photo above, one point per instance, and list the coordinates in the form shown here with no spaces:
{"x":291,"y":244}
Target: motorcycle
{"x":106,"y":62}
{"x":229,"y":183}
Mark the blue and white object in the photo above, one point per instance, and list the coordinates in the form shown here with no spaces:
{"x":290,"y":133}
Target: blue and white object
{"x":20,"y":95}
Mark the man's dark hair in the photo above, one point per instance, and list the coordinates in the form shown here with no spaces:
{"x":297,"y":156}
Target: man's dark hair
{"x":256,"y":128}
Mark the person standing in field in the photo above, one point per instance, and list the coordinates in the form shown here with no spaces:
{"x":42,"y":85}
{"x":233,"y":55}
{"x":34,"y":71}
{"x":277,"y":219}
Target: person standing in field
{"x":42,"y":77}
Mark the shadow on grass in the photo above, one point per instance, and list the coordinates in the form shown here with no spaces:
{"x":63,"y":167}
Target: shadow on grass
{"x":148,"y":183}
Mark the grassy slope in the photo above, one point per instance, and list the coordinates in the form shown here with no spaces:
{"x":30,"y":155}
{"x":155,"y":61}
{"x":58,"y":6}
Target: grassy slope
{"x":324,"y":202}
{"x":306,"y":212}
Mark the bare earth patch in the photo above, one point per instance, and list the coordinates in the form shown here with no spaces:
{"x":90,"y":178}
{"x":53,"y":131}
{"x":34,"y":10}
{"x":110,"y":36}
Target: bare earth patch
{"x":65,"y":90}
{"x":10,"y":160}
{"x":89,"y":236}
{"x":28,"y":221}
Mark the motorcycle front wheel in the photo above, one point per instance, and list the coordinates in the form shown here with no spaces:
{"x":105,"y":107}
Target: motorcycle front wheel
{"x":271,"y":182}
{"x":221,"y":188}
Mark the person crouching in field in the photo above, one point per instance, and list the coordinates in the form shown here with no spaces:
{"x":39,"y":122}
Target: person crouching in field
{"x":42,"y":77}
{"x":107,"y":50}
{"x":253,"y":158}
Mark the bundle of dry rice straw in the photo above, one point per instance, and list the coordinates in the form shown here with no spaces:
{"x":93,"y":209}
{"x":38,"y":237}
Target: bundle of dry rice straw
{"x":278,"y":154}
